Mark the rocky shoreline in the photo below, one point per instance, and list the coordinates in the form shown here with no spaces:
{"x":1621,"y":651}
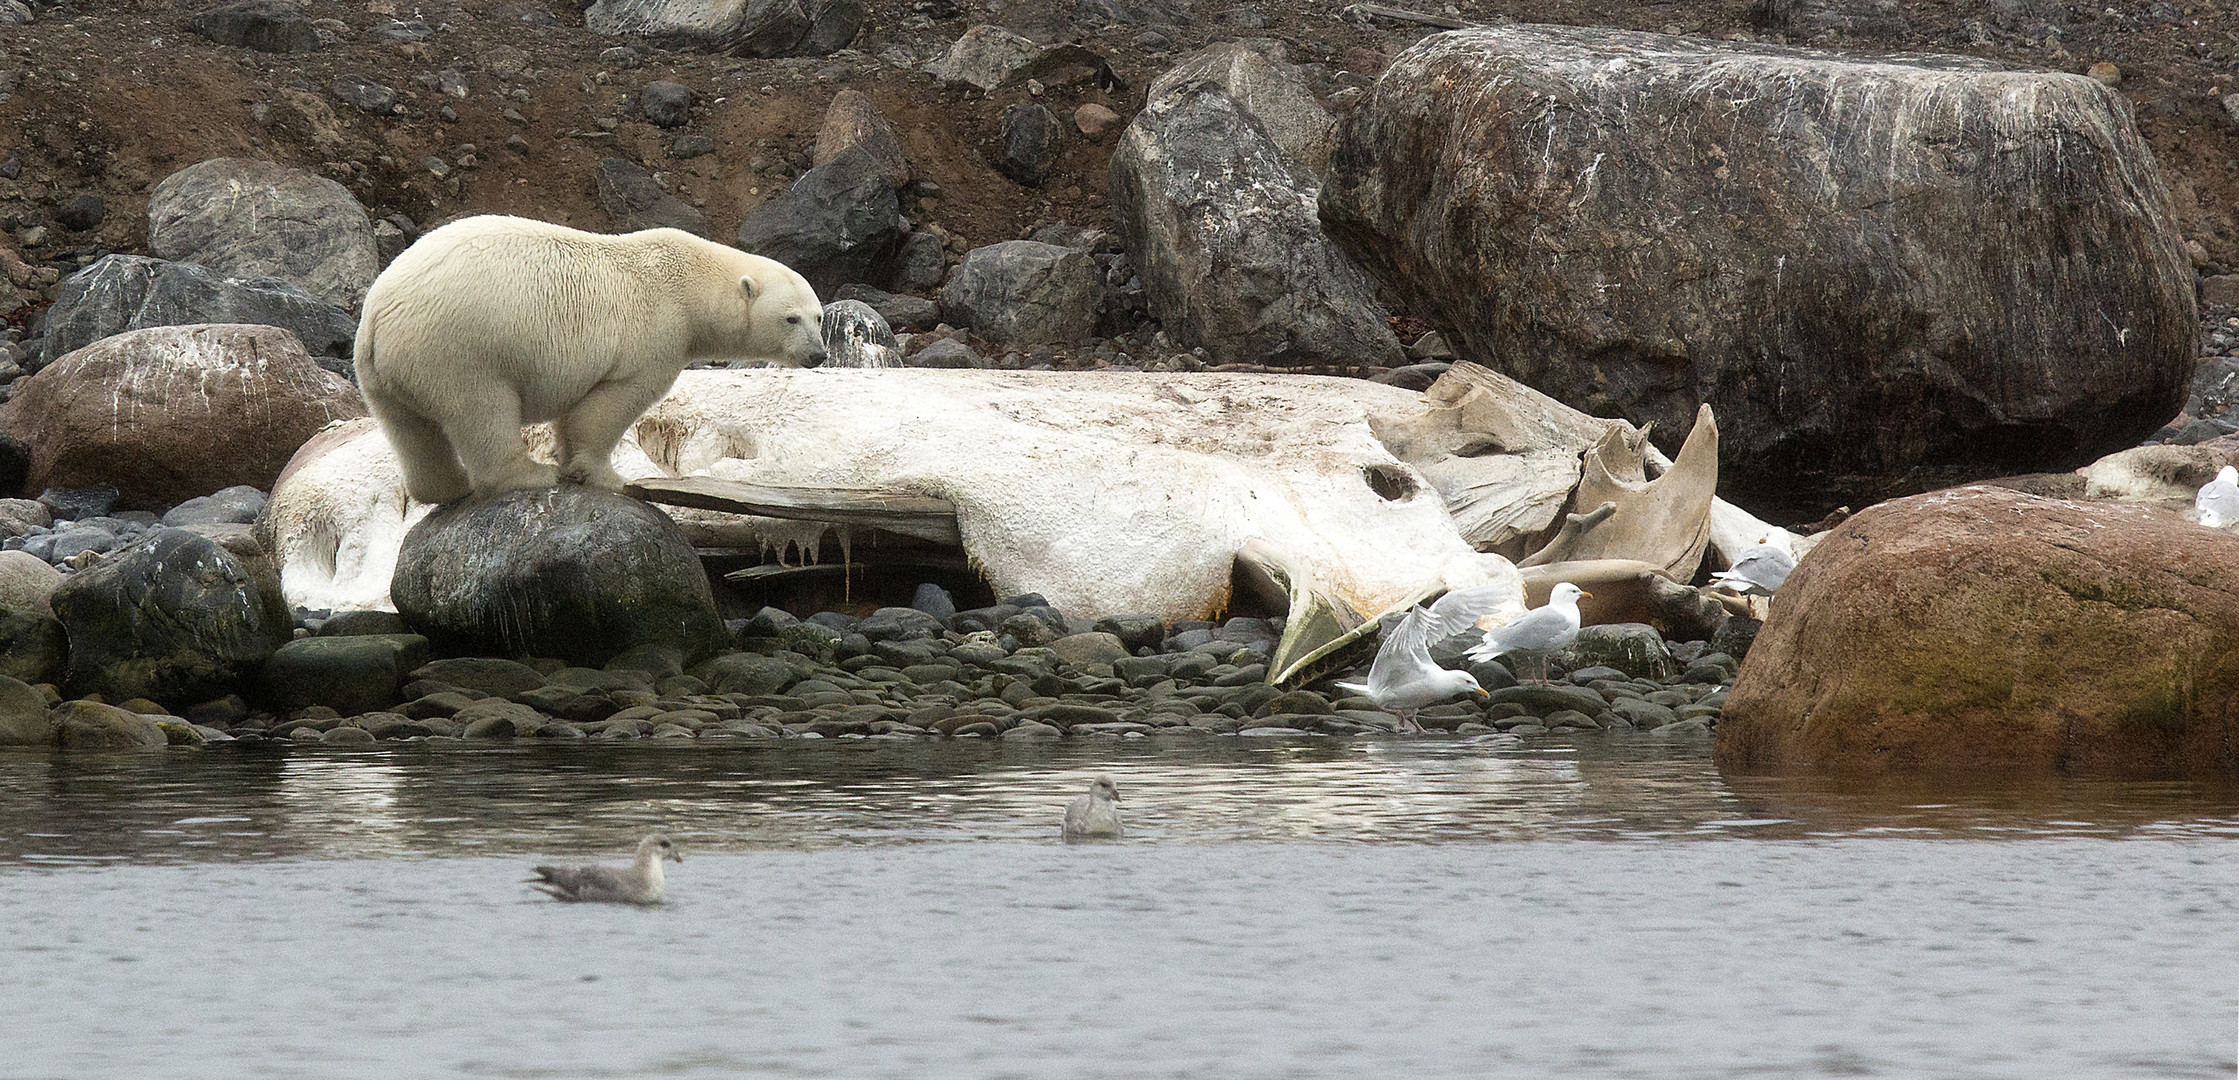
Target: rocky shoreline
{"x":899,"y":673}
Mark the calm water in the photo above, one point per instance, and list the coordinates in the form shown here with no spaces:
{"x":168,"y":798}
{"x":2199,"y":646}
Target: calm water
{"x":1307,"y":908}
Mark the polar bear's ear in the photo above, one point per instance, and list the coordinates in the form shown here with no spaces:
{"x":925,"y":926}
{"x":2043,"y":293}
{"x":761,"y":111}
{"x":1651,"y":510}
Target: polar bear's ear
{"x":746,"y":286}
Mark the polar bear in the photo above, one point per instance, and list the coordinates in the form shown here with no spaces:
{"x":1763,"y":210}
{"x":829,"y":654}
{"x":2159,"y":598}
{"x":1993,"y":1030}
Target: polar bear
{"x":493,"y":322}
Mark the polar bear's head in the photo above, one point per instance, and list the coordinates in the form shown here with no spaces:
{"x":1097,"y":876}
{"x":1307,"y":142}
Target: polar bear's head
{"x":784,"y":319}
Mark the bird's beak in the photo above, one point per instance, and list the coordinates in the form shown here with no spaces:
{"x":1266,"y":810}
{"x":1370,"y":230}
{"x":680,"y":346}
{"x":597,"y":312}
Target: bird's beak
{"x":675,"y":855}
{"x":1584,"y":595}
{"x":1483,"y":694}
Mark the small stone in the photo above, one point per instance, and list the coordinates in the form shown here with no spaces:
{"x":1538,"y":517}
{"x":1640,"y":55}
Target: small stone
{"x":666,"y":104}
{"x":620,"y":56}
{"x":687,"y":147}
{"x":364,"y":94}
{"x":82,"y":214}
{"x":2106,"y":73}
{"x":1095,"y":121}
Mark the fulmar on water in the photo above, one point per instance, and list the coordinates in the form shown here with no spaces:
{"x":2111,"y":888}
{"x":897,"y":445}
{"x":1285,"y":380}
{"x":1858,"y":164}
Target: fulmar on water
{"x":639,"y":883}
{"x":1094,"y":816}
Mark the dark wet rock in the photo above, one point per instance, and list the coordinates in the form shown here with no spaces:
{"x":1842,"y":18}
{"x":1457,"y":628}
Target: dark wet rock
{"x":568,"y":572}
{"x":177,"y":619}
{"x":905,"y":312}
{"x":1224,"y":236}
{"x":666,"y":104}
{"x":635,"y":200}
{"x":895,"y":623}
{"x":488,"y":676}
{"x":1023,"y":292}
{"x":492,"y":718}
{"x":33,"y":646}
{"x":1134,"y":631}
{"x":1633,"y":648}
{"x":79,"y":503}
{"x":351,"y":675}
{"x":239,"y":505}
{"x":1541,"y":700}
{"x":656,"y":660}
{"x":263,"y":25}
{"x":1031,"y":137}
{"x":1735,"y":637}
{"x":24,"y":716}
{"x":210,"y":407}
{"x":349,"y":623}
{"x":1845,"y":301}
{"x":840,"y":223}
{"x":256,"y":219}
{"x":857,"y":336}
{"x":129,"y":292}
{"x":90,"y":725}
{"x":1095,"y":648}
{"x":935,"y":601}
{"x":919,"y":266}
{"x":745,"y":673}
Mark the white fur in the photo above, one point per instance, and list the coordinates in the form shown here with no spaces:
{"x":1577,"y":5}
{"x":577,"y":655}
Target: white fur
{"x":493,"y":322}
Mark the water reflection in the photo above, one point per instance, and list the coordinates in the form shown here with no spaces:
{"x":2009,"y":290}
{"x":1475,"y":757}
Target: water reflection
{"x":256,"y":802}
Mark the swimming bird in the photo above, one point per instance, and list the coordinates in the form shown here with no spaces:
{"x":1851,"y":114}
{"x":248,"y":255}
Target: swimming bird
{"x":1094,"y":816}
{"x":1403,"y":678}
{"x":1540,"y":631}
{"x":1764,"y":568}
{"x":2217,"y":505}
{"x":640,"y":883}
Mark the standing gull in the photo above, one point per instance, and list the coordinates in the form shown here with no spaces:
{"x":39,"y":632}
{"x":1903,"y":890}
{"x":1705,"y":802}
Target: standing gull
{"x":2217,"y":505}
{"x":1094,"y":816}
{"x":640,"y":883}
{"x":1762,"y":569}
{"x":1540,"y":631}
{"x":1403,"y":678}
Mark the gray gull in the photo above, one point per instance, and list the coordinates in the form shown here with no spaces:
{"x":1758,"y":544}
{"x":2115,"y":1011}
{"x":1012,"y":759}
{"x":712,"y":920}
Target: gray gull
{"x":1540,"y":631}
{"x":639,"y":883}
{"x":1403,"y":678}
{"x":1094,"y":816}
{"x":2217,"y":505}
{"x":1761,"y":570}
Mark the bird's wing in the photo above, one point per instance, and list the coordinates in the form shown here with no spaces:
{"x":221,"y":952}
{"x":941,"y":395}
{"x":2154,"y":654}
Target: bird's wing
{"x":1453,"y":613}
{"x":586,"y":882}
{"x":2219,"y":497}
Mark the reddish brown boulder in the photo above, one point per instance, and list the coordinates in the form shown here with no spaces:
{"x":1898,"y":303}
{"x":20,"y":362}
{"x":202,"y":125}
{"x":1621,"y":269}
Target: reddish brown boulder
{"x":173,"y":412}
{"x":1983,"y":630}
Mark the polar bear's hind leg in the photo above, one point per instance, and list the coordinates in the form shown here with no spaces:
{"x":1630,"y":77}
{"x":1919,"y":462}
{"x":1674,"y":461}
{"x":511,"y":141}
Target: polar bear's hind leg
{"x":486,"y":432}
{"x":431,"y":470}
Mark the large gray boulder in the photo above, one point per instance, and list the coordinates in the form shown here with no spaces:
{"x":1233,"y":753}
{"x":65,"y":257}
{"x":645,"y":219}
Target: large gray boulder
{"x":1021,"y":292}
{"x":857,"y":336}
{"x":1273,"y":92}
{"x":569,"y":572}
{"x":133,"y":292}
{"x":1885,"y":275}
{"x":1225,"y":239}
{"x":250,"y":219}
{"x":765,"y":28}
{"x":171,"y":413}
{"x":176,"y":619}
{"x":985,"y":57}
{"x":840,"y":223}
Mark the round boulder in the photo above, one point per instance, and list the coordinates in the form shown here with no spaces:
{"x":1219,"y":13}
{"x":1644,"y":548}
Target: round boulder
{"x":248,"y":218}
{"x":171,"y":413}
{"x":568,"y":572}
{"x":1982,"y":630}
{"x":176,"y":619}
